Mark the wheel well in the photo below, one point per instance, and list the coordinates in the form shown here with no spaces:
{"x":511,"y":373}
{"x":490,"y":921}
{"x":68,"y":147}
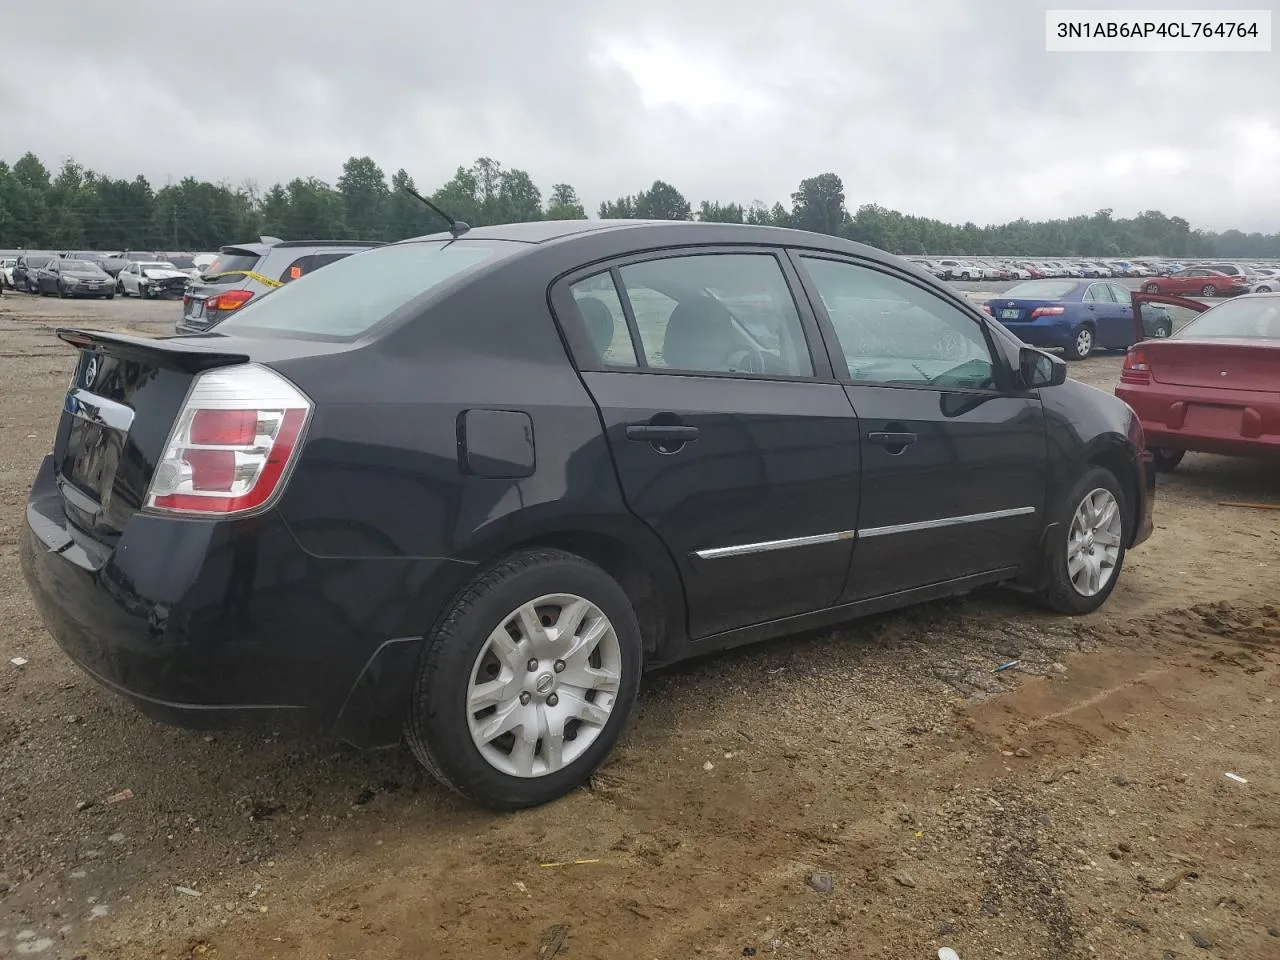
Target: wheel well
{"x":1117,"y":463}
{"x":621,"y":563}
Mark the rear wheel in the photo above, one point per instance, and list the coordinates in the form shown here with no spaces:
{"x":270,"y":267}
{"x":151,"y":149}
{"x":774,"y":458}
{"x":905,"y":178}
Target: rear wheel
{"x":526,"y":683}
{"x":1163,"y":330}
{"x":1152,"y":288}
{"x":1081,"y":344}
{"x":1087,"y":547}
{"x":1208,"y":290}
{"x":1166,"y":458}
{"x":1262,"y":288}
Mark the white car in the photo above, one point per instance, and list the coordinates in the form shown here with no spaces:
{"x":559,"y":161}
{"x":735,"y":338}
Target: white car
{"x":151,"y":278}
{"x":1265,"y":281}
{"x":6,"y":271}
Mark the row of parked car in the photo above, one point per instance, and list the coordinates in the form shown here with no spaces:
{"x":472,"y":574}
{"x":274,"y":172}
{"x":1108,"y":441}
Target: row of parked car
{"x":986,"y":269}
{"x":81,"y":273}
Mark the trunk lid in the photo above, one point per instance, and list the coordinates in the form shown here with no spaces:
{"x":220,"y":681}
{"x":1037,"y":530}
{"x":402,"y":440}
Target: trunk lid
{"x":1220,"y":364}
{"x":1017,"y":310}
{"x":120,"y":406}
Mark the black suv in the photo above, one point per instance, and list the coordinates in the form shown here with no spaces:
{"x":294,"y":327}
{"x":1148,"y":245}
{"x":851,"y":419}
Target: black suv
{"x":244,"y":271}
{"x":468,"y":488}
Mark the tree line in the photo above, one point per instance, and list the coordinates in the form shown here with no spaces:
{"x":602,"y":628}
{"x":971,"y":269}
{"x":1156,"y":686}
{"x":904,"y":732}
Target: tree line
{"x":77,"y":208}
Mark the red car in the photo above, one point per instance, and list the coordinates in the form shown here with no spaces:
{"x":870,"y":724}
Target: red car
{"x":1213,"y":386}
{"x":1197,"y":281}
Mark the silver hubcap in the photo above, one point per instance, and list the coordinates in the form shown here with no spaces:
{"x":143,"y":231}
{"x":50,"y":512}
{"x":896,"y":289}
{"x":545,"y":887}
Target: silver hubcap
{"x":544,"y":685}
{"x":1084,"y":342}
{"x":1162,"y":332}
{"x":1093,"y":544}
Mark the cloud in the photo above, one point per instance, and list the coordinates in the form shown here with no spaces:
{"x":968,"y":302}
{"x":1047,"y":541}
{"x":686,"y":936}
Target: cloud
{"x":947,"y":108}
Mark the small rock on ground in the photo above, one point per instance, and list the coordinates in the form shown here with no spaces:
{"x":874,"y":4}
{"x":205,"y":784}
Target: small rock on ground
{"x":821,"y":880}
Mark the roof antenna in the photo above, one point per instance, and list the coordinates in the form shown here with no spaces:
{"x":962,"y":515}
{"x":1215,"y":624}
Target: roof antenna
{"x":456,"y":227}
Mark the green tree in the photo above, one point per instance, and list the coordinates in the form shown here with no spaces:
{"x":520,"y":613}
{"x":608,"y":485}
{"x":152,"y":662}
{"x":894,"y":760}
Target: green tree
{"x":563,"y":204}
{"x":818,"y":204}
{"x":364,"y":199}
{"x":709,"y":212}
{"x":624,"y":208}
{"x":519,"y":200}
{"x":661,"y":201}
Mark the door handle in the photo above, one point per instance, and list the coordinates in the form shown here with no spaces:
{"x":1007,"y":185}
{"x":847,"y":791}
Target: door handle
{"x":661,"y":433}
{"x":891,"y":439}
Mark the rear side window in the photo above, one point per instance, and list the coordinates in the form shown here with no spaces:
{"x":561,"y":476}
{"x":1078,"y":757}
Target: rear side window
{"x":717,"y":313}
{"x":304,"y":265}
{"x":236,"y":260}
{"x":348,"y":298}
{"x":606,"y":322}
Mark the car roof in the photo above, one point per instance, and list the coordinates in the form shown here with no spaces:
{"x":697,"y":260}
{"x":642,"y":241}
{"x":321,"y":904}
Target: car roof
{"x":647,"y":234}
{"x":260,"y":249}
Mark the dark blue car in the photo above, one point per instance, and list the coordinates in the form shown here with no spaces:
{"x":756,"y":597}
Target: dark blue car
{"x":1079,"y":316}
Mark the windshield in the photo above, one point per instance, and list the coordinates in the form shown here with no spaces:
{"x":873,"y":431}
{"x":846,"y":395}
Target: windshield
{"x":1248,"y":318}
{"x":1040,"y":289}
{"x":33,"y":262}
{"x":349,"y":297}
{"x":181,"y":263}
{"x":158,"y":265}
{"x":77,"y":266}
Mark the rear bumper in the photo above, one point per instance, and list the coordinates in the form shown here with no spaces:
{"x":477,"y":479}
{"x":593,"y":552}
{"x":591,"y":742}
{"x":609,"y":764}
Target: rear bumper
{"x":207,"y":623}
{"x":1056,"y":334}
{"x":1240,"y":423}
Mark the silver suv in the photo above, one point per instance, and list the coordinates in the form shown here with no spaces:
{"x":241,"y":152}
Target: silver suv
{"x":244,"y":271}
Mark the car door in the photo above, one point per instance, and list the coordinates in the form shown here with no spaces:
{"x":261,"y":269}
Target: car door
{"x":1101,"y":307}
{"x":730,"y":437}
{"x":1122,"y":331}
{"x":48,"y":277}
{"x":953,"y":454}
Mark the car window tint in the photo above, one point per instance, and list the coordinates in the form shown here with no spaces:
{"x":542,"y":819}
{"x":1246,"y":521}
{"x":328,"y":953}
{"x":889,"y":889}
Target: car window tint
{"x":1121,"y":294}
{"x":348,"y":298}
{"x":717,"y":313}
{"x":304,"y":265}
{"x":1099,"y":293}
{"x":229,"y":267}
{"x":606,"y":322}
{"x":893,"y":332}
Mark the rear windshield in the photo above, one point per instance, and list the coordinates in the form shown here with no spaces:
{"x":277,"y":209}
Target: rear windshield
{"x":1247,"y":318}
{"x":348,"y":298}
{"x":227,"y":262}
{"x":1040,"y":289}
{"x":181,"y":263}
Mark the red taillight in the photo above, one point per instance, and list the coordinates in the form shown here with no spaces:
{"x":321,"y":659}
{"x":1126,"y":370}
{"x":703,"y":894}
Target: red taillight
{"x":1047,"y":312}
{"x":986,"y":308}
{"x":232,"y":443}
{"x":231,"y":300}
{"x":218,"y":427}
{"x":1135,"y":369}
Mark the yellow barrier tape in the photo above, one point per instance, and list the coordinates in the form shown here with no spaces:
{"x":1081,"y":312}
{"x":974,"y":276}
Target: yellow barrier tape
{"x":251,"y":274}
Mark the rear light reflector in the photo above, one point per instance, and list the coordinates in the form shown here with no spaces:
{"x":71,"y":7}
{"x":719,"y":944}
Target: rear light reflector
{"x":230,"y":300}
{"x":232,"y":444}
{"x":1136,"y":368}
{"x":1047,"y":312}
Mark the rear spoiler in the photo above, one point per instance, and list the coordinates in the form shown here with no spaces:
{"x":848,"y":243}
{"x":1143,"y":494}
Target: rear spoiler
{"x":175,"y":353}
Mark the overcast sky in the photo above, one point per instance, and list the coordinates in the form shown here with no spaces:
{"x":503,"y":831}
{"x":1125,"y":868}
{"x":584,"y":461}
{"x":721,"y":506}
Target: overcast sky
{"x":945,"y":108}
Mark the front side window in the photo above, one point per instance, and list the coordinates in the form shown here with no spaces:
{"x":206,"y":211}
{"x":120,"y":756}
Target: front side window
{"x":717,"y":313}
{"x":893,"y":332}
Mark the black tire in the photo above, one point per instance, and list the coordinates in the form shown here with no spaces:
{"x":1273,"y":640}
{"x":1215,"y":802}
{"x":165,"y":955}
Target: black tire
{"x":437,"y":727}
{"x":1163,"y":330}
{"x":1059,"y":593}
{"x":109,"y":296}
{"x":1152,"y":287}
{"x":1166,"y":459}
{"x":1082,"y":343}
{"x":62,"y":292}
{"x":1208,"y":290}
{"x":1262,"y":288}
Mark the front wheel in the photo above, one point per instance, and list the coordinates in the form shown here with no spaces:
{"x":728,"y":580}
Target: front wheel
{"x":1166,"y":459}
{"x":1208,"y":290}
{"x":1262,"y":288}
{"x":1081,"y":344}
{"x":1163,"y":330}
{"x":1087,"y":547}
{"x":526,"y":683}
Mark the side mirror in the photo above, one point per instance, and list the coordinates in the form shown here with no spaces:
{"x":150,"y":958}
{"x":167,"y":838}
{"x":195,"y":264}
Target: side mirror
{"x":1040,"y":369}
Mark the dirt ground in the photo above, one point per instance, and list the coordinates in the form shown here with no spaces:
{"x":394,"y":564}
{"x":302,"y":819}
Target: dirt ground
{"x":874,"y":791}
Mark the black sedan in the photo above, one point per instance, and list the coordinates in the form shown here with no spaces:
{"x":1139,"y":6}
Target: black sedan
{"x":74,"y":278}
{"x":468,"y":488}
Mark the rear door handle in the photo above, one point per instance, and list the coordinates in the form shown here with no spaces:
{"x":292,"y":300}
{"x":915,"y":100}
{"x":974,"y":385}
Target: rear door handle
{"x":661,"y":433}
{"x":899,"y":440}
